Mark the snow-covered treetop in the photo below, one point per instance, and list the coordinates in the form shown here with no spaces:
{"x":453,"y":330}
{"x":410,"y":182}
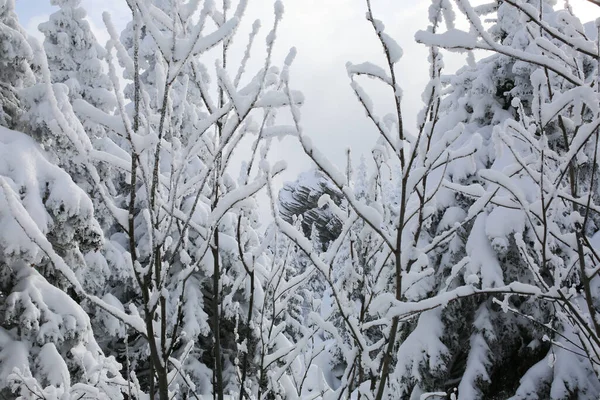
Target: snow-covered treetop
{"x":74,"y":56}
{"x":15,"y":57}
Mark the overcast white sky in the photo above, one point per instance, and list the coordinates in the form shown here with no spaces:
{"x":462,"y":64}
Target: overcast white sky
{"x":327,"y":34}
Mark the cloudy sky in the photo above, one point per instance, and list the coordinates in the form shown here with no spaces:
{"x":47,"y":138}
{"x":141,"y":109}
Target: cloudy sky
{"x":327,"y":34}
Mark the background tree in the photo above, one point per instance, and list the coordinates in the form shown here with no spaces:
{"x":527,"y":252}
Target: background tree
{"x":300,"y":198}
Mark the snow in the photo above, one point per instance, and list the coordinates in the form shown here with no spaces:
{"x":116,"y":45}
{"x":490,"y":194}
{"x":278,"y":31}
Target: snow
{"x":464,"y":238}
{"x":453,"y":39}
{"x":393,"y":48}
{"x":54,"y":367}
{"x":404,"y":309}
{"x":422,"y":347}
{"x":479,"y":358}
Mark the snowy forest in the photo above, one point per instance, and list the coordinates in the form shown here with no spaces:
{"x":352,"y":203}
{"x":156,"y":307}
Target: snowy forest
{"x":458,"y":259}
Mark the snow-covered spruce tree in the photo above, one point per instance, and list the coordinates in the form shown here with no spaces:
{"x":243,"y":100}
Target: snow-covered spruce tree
{"x":183,"y":237}
{"x":47,"y":347}
{"x":78,"y":70}
{"x":534,"y":105}
{"x":15,"y":58}
{"x":76,"y":60}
